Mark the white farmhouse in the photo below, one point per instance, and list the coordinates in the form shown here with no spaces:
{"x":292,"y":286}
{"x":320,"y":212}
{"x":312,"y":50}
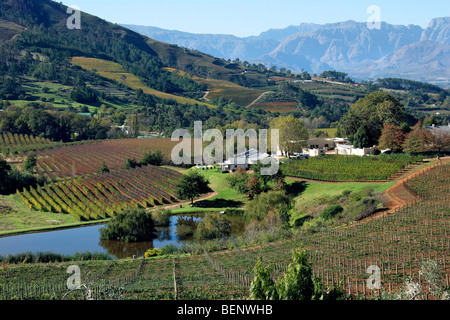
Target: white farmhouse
{"x":243,"y":160}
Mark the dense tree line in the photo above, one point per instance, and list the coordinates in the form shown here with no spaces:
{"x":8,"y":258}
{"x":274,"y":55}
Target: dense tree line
{"x":405,"y":84}
{"x":62,"y":126}
{"x":364,"y":122}
{"x":336,"y":76}
{"x":11,"y":179}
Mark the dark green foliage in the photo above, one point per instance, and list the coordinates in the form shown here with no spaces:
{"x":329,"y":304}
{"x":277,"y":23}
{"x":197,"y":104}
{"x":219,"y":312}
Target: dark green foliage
{"x":192,"y":185}
{"x":331,"y":211}
{"x":131,"y":225}
{"x":307,"y":100}
{"x":238,"y":181}
{"x":12,"y":179}
{"x":263,"y":286}
{"x":299,"y":221}
{"x":212,"y":227}
{"x":131,"y":163}
{"x":361,"y":139}
{"x":258,"y":208}
{"x":336,"y":76}
{"x":371,"y":112}
{"x":83,"y":94}
{"x":30,"y":163}
{"x":154,"y":158}
{"x":298,"y":282}
{"x":104,"y":168}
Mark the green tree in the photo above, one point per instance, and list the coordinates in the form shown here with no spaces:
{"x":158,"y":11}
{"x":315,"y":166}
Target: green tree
{"x":238,"y":181}
{"x":263,"y":287}
{"x":297,"y":283}
{"x":361,"y":138}
{"x":292,"y":134}
{"x":372,"y":112}
{"x":212,"y":227}
{"x":30,"y":163}
{"x":154,"y":158}
{"x":130,"y":225}
{"x":259,"y":207}
{"x":131,"y":163}
{"x":192,"y":185}
{"x":104,"y":168}
{"x":5,"y":168}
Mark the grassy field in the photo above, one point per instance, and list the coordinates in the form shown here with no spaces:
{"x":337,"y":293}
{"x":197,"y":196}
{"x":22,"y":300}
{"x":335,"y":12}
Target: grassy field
{"x":225,"y":197}
{"x":17,"y":217}
{"x":115,"y":71}
{"x":330,"y":131}
{"x":312,"y":197}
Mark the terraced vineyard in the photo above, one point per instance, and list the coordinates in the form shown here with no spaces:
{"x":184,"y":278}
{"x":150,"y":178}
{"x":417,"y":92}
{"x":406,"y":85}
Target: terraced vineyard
{"x":397,"y":243}
{"x":20,"y":143}
{"x":100,"y":196}
{"x":348,"y":168}
{"x":87,"y":158}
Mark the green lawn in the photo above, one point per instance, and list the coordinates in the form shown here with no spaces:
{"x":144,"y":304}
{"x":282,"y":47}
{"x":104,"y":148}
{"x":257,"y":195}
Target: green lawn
{"x":310,"y":195}
{"x":225,"y":198}
{"x":20,"y":218}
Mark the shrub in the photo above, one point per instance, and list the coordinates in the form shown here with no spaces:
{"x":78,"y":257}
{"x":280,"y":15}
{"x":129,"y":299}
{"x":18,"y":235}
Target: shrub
{"x":154,"y":158}
{"x":131,"y":225}
{"x":331,"y":211}
{"x":212,"y":227}
{"x":161,"y":217}
{"x":299,"y":221}
{"x":263,"y":203}
{"x":155,"y":252}
{"x":169,"y":249}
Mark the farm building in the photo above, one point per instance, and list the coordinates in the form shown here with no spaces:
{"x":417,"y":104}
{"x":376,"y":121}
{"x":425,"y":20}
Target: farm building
{"x":349,"y":150}
{"x":243,"y":160}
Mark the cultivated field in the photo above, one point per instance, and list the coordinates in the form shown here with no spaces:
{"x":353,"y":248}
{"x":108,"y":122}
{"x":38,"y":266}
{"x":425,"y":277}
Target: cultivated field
{"x":100,"y":196}
{"x":348,"y":168}
{"x":397,"y":243}
{"x":87,"y":158}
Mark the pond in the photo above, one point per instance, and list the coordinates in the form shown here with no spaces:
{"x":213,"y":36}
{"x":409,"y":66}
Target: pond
{"x":84,"y":239}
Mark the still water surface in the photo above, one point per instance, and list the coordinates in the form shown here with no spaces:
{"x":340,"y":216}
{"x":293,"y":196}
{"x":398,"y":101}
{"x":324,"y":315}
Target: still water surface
{"x":71,"y":241}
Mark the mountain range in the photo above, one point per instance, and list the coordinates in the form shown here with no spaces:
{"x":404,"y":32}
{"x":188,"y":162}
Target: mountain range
{"x":409,"y":52}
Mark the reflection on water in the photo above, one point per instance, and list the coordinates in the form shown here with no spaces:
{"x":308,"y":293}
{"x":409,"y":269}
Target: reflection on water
{"x":85,"y":239}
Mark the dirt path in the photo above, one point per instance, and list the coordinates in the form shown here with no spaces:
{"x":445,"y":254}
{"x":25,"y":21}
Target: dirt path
{"x":257,"y":99}
{"x":177,"y":205}
{"x":206,"y":96}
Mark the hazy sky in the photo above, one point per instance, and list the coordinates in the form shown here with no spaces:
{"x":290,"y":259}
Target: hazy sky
{"x":251,"y":17}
